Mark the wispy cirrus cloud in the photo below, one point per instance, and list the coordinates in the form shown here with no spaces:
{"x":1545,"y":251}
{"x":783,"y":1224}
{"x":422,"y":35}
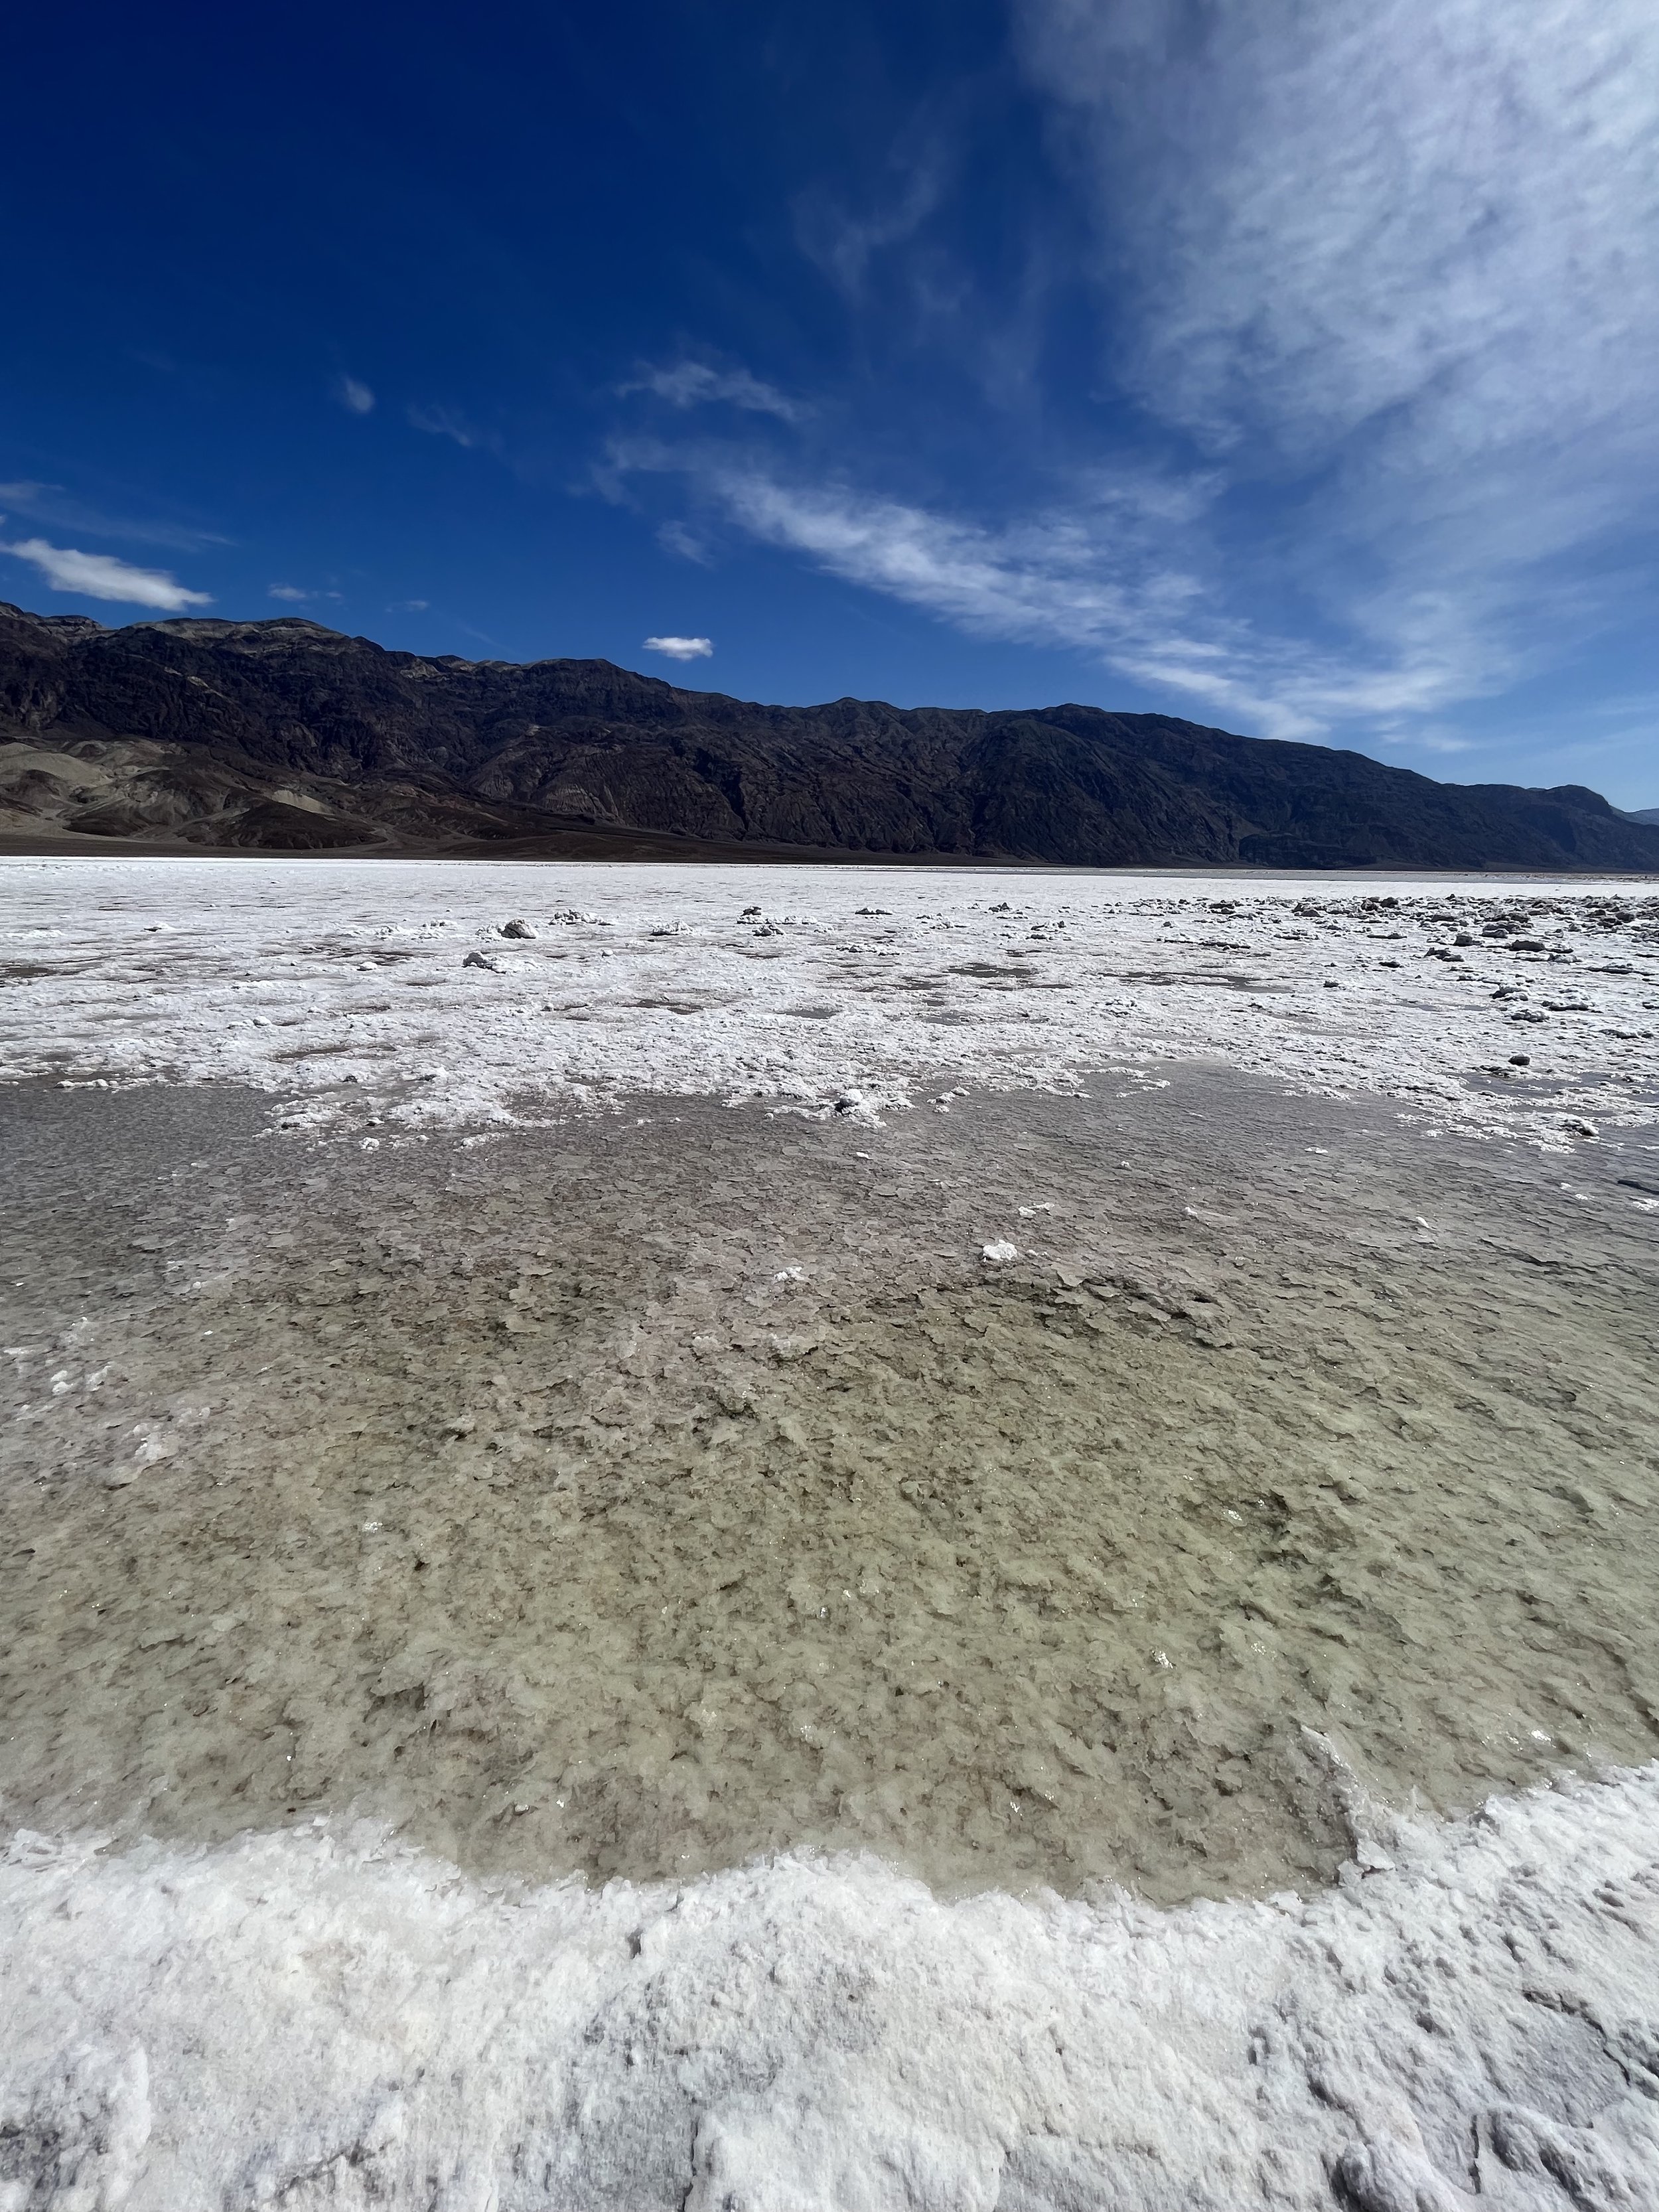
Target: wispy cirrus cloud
{"x":450,"y":423}
{"x":1103,"y":573}
{"x":843,"y":243}
{"x":59,"y":508}
{"x":1398,"y":267}
{"x":685,"y":544}
{"x":1381,"y":290}
{"x":102,"y":576}
{"x":694,"y":384}
{"x":1343,"y":213}
{"x":354,"y":395}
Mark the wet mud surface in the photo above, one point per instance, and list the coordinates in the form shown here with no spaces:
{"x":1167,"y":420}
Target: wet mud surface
{"x":637,"y":1494}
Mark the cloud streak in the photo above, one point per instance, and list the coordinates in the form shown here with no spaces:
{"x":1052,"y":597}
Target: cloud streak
{"x":693,"y":384}
{"x":102,"y":576}
{"x":447,"y":422}
{"x":1072,"y":579}
{"x":356,"y":397}
{"x":844,"y":245}
{"x":58,"y":508}
{"x":1102,"y":575}
{"x":681,"y":648}
{"x":684,"y":544}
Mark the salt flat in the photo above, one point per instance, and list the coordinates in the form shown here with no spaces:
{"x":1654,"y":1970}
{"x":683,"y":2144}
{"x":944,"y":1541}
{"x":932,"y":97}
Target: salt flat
{"x":573,"y":1641}
{"x":343,"y":985}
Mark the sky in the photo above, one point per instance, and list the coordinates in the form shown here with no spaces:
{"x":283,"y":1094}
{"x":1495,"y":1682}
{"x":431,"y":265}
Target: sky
{"x":1288,"y":367}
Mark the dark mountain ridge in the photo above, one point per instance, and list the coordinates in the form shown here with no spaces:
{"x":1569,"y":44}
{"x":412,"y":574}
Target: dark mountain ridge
{"x":286,"y":736}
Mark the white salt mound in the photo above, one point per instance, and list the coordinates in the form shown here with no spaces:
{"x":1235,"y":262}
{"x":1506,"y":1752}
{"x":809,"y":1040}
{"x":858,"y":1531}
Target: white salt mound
{"x":318,"y":2018}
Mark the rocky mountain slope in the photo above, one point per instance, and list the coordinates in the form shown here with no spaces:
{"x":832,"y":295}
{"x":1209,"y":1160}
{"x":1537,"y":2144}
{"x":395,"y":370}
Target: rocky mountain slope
{"x":285,"y":736}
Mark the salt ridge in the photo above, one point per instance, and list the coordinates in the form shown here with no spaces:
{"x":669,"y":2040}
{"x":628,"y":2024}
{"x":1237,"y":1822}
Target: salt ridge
{"x":316,"y":2018}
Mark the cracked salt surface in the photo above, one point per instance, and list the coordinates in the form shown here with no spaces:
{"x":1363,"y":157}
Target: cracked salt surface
{"x":849,"y":990}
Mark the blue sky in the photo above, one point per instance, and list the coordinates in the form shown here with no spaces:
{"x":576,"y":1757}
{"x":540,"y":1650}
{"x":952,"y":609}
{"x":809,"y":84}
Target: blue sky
{"x":1288,"y":367}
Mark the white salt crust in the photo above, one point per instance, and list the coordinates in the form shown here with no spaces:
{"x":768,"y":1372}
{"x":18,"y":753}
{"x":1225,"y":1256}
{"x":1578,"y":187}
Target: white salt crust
{"x":344,"y":986}
{"x":313,"y":2018}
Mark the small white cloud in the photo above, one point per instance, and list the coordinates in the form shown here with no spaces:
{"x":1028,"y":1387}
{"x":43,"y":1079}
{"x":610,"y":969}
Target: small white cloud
{"x":289,"y":592}
{"x":356,"y":399}
{"x":693,"y":384}
{"x":102,"y":576}
{"x":681,"y":648}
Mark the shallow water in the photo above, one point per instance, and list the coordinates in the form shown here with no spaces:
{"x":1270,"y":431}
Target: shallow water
{"x":634,"y":1497}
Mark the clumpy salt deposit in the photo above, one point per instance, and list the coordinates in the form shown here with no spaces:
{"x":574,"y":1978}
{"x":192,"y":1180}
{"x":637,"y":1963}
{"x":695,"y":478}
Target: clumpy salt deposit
{"x":315,"y":2018}
{"x":391,"y":996}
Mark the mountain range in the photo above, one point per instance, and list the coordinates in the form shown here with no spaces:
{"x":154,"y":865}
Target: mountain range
{"x":283,"y":736}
